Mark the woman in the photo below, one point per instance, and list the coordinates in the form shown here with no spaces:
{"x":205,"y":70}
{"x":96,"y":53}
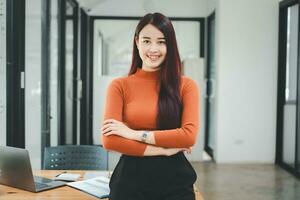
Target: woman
{"x":151,"y":117}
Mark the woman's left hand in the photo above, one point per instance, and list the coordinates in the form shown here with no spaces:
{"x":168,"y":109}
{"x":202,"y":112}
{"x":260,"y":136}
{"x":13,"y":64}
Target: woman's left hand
{"x":114,"y":127}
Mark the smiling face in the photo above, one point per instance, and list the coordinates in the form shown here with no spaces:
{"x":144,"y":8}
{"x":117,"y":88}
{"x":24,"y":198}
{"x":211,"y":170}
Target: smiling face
{"x":152,"y":47}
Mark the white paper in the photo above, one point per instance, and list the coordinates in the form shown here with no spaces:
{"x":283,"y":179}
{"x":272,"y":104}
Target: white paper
{"x":67,"y":177}
{"x":89,"y":175}
{"x":98,"y":186}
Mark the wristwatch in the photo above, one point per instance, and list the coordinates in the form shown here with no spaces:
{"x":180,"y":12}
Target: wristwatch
{"x":144,"y":136}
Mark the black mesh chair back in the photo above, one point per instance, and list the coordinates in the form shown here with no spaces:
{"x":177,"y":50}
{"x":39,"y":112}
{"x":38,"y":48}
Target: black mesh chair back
{"x":75,"y":157}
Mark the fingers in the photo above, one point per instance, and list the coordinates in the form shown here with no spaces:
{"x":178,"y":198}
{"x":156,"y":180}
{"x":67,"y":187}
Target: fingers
{"x":110,"y":133}
{"x":106,"y":131}
{"x":110,"y":121}
{"x":188,"y":150}
{"x":108,"y":128}
{"x":110,"y":125}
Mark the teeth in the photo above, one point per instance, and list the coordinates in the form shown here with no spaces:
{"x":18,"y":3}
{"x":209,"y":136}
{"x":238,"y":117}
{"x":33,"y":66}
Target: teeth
{"x":153,"y":57}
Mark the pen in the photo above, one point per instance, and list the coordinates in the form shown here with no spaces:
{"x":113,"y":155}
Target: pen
{"x":61,"y":173}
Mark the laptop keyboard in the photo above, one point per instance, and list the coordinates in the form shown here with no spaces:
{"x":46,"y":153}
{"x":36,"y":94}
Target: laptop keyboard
{"x":41,"y":182}
{"x":40,"y":185}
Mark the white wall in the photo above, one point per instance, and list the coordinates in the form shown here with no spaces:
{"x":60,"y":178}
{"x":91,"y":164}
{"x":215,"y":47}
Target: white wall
{"x":178,"y":8}
{"x":211,"y":6}
{"x":246,"y":39}
{"x":195,"y":69}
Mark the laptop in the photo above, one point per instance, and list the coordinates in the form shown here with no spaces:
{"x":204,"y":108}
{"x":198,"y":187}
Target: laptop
{"x":15,"y":171}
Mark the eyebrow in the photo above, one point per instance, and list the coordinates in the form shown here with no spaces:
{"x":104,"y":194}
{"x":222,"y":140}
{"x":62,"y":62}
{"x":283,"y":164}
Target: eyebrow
{"x":161,"y":38}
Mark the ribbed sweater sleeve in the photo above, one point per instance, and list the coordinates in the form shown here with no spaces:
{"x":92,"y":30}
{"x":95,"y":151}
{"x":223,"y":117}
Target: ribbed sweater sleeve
{"x":114,"y":110}
{"x":185,"y":136}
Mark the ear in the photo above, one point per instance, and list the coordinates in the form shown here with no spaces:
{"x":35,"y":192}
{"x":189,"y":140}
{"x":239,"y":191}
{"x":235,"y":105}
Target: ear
{"x":136,"y":39}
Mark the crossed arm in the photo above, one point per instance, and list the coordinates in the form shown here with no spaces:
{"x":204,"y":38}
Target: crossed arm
{"x":116,"y":136}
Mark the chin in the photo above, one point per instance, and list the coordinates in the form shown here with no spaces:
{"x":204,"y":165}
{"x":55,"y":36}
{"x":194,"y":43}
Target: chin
{"x":152,"y":66}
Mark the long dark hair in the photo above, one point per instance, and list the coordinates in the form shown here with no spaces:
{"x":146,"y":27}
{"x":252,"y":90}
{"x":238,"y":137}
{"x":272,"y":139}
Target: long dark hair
{"x":169,"y":101}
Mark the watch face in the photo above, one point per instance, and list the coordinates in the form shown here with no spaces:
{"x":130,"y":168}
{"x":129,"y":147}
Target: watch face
{"x":144,"y":136}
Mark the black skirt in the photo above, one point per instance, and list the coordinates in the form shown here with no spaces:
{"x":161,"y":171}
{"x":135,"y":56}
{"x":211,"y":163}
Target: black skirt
{"x":153,"y":177}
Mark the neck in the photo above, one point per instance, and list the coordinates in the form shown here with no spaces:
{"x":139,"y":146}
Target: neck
{"x":149,"y":69}
{"x":149,"y":75}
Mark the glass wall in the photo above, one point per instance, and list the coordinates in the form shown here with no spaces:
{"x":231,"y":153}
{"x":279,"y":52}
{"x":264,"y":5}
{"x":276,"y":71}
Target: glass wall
{"x":53,"y":74}
{"x":69,"y":73}
{"x":67,"y":101}
{"x":290,"y":107}
{"x":210,"y":96}
{"x":33,"y":80}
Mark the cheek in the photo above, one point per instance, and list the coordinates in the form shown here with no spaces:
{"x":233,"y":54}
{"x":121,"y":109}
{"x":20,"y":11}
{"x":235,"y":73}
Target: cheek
{"x":164,"y":50}
{"x":141,"y":53}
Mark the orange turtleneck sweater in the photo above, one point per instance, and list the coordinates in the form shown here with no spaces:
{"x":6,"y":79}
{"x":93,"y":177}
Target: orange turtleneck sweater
{"x":133,"y":101}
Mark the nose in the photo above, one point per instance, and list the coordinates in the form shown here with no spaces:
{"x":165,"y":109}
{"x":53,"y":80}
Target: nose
{"x":153,"y":48}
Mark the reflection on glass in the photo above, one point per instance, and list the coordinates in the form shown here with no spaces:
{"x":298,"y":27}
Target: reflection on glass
{"x":69,"y":75}
{"x":211,"y":99}
{"x":289,"y":134}
{"x":291,"y":54}
{"x":53,"y":75}
{"x":289,"y":126}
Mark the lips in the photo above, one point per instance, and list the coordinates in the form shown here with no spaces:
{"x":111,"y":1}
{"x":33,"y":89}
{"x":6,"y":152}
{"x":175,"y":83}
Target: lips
{"x":153,"y":57}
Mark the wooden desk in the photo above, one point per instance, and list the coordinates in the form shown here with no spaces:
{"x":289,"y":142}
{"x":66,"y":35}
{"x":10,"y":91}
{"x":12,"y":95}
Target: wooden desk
{"x":61,"y":193}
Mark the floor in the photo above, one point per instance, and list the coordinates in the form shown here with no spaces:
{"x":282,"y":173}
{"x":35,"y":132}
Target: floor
{"x":245,"y":182}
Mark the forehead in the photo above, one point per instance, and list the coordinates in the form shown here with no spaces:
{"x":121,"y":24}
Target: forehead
{"x":151,"y":31}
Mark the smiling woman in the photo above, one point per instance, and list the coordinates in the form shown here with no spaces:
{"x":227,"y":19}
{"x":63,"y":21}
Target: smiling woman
{"x":151,"y":117}
{"x":152,"y":47}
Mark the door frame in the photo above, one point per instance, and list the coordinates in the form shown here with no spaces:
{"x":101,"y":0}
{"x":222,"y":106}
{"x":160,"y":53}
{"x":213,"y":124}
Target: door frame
{"x":282,"y":39}
{"x":207,"y":148}
{"x":15,"y":73}
{"x":61,"y":109}
{"x":86,"y":103}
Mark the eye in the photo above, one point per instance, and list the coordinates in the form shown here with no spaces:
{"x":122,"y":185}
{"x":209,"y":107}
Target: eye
{"x":161,"y":42}
{"x":146,"y":41}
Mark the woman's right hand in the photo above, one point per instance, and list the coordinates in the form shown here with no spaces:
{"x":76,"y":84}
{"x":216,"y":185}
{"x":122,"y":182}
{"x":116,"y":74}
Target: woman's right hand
{"x":173,"y":151}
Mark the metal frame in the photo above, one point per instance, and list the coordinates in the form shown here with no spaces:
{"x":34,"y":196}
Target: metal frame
{"x":86,"y":108}
{"x":75,"y":68}
{"x":45,"y":74}
{"x":281,"y":89}
{"x":208,"y":149}
{"x":62,"y":17}
{"x":15,"y":73}
{"x":61,"y":73}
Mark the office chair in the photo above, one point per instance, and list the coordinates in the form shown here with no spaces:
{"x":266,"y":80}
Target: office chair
{"x":75,"y":157}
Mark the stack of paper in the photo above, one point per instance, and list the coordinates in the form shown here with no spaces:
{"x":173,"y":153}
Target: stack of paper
{"x":67,"y":177}
{"x":94,"y":174}
{"x":98,"y":187}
